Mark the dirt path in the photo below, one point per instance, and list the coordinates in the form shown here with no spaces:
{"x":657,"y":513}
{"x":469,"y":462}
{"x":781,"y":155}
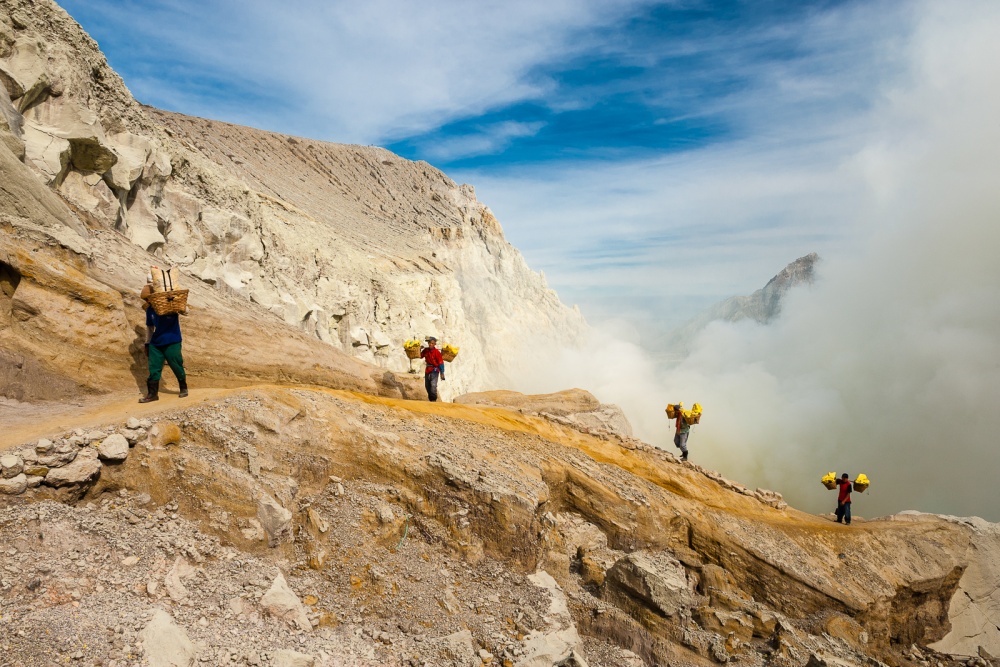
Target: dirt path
{"x":24,"y":422}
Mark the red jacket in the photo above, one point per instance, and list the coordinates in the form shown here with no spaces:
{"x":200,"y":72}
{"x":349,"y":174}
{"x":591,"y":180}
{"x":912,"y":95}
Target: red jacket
{"x":432,"y":357}
{"x":845,"y":491}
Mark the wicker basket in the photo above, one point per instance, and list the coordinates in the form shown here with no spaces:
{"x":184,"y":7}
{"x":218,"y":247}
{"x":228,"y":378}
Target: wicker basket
{"x":448,"y":353}
{"x":412,"y":352}
{"x":174,"y":301}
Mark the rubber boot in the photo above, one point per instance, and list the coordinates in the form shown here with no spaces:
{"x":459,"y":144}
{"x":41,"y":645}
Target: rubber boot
{"x":183,"y":385}
{"x":152,"y":392}
{"x":684,"y":456}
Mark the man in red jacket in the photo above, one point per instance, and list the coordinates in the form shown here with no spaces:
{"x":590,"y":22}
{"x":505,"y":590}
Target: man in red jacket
{"x":435,"y":368}
{"x":844,"y":499}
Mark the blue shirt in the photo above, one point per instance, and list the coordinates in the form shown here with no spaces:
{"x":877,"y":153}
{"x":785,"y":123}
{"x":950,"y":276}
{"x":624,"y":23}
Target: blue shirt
{"x":166,"y":328}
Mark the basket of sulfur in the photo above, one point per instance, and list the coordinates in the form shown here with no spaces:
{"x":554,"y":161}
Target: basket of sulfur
{"x":449,"y":352}
{"x":412,"y":348}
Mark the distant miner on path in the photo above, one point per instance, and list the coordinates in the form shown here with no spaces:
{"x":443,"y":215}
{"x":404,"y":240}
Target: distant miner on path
{"x":163,"y":344}
{"x":844,"y":499}
{"x":434,"y":368}
{"x":685,"y":419}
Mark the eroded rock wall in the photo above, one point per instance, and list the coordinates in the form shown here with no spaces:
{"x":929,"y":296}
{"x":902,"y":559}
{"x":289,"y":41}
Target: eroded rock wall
{"x":352,"y":245}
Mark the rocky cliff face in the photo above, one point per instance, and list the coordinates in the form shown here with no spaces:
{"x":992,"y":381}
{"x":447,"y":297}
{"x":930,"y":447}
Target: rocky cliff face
{"x":359,"y":530}
{"x":353,"y":245}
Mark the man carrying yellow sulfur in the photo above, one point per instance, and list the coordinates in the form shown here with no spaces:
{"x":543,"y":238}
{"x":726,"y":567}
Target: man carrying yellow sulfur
{"x":685,"y":419}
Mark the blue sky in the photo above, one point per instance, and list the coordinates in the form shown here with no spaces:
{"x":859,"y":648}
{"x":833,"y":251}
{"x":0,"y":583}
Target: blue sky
{"x":650,"y":157}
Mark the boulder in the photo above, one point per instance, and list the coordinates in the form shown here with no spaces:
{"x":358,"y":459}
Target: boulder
{"x":84,"y":469}
{"x":166,"y":644}
{"x":275,"y":520}
{"x":14,"y":485}
{"x":459,"y":648}
{"x":114,"y":448}
{"x":281,"y":602}
{"x":657,"y":578}
{"x":11,"y":465}
{"x":55,"y":456}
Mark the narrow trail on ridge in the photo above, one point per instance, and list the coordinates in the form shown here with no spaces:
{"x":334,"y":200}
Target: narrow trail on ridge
{"x":22,"y":422}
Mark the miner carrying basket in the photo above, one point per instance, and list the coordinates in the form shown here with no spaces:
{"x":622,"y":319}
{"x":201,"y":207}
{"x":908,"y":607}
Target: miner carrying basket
{"x":164,"y":302}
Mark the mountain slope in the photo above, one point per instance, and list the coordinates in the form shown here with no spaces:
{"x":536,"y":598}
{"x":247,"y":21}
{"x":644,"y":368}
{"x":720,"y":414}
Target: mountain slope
{"x":352,"y":245}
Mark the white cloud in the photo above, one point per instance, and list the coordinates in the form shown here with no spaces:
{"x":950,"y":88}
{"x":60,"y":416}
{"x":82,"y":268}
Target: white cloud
{"x":890,"y":365}
{"x":486,"y":140}
{"x":357,"y":72}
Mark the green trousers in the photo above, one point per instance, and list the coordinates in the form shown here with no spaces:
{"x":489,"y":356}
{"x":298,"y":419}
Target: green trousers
{"x":169,"y":353}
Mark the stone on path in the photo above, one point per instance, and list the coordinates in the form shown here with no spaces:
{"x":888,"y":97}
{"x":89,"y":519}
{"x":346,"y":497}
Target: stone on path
{"x":83,"y":469}
{"x":114,"y":448}
{"x":14,"y":485}
{"x":11,"y":465}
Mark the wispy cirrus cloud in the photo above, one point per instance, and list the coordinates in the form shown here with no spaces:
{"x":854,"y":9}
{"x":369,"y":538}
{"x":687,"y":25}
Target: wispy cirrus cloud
{"x":341,"y":71}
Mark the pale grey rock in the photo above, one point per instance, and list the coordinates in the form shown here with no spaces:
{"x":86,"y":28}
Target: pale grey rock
{"x":281,"y":602}
{"x":132,"y":151}
{"x":82,"y":470}
{"x":385,"y":514}
{"x":275,"y":520}
{"x":34,"y":481}
{"x":114,"y":448}
{"x":288,"y":658}
{"x":11,"y":465}
{"x":656,"y":577}
{"x":359,"y":337}
{"x":133,"y":424}
{"x":974,"y":611}
{"x":558,"y":643}
{"x":44,"y":446}
{"x":58,"y":455}
{"x":460,"y":648}
{"x":166,"y":644}
{"x":12,"y":486}
{"x":172,"y":582}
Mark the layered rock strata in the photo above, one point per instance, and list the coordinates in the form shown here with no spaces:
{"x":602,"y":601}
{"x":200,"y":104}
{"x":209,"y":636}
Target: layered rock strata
{"x":644,"y":556}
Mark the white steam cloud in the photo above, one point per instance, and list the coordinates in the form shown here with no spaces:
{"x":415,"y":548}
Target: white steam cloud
{"x":890,"y":364}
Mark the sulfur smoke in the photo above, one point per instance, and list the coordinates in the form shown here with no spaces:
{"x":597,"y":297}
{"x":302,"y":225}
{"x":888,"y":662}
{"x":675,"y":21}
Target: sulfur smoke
{"x":890,"y":363}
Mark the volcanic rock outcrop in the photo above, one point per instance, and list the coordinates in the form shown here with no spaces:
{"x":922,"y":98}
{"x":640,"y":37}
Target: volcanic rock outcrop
{"x":406,"y":532}
{"x":352,"y":245}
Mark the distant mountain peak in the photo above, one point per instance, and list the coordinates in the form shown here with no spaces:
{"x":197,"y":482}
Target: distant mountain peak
{"x":762,"y":306}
